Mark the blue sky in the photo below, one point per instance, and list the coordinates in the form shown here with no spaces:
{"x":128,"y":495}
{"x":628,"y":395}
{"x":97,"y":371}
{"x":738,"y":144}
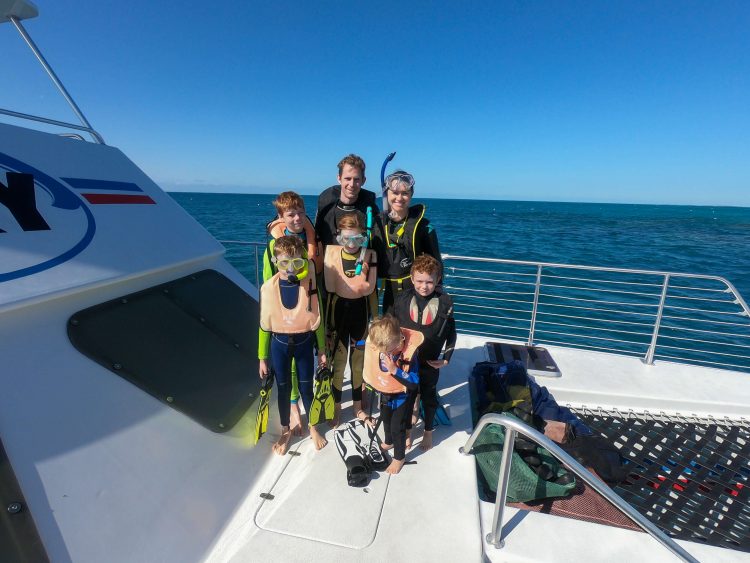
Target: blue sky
{"x":637,"y":102}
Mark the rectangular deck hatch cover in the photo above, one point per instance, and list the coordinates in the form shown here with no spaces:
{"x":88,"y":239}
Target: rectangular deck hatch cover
{"x":312,"y":500}
{"x":191,"y":343}
{"x":536,"y":359}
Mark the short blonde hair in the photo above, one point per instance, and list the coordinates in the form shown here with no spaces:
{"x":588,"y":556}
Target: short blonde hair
{"x":384,"y":332}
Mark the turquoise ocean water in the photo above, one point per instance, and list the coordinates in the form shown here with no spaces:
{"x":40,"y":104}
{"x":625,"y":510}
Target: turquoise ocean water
{"x":698,"y":240}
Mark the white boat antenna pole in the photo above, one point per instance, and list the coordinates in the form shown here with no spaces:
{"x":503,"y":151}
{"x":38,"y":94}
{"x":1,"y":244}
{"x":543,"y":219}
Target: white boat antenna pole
{"x":30,"y":42}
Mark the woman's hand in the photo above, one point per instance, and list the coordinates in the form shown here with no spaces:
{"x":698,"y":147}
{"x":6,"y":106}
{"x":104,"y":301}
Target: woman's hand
{"x":263,"y":368}
{"x":322,"y":360}
{"x":437,"y":364}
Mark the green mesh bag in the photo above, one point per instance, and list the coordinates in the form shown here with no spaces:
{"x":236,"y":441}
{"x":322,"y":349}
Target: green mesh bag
{"x":524,"y":484}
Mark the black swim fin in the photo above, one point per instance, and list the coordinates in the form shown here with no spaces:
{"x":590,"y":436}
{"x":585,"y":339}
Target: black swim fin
{"x":261,"y":420}
{"x":322,"y":406}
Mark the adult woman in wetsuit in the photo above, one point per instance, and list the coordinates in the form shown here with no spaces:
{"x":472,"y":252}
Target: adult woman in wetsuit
{"x":407,"y":233}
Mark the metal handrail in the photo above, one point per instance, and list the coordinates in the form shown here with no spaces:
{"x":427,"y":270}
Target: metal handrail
{"x":539,"y":316}
{"x":592,"y":297}
{"x":513,"y":426}
{"x":55,"y":122}
{"x":58,"y":83}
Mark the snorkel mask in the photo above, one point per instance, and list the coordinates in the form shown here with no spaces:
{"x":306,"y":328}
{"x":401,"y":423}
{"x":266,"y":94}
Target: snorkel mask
{"x":351,"y":243}
{"x":399,"y":177}
{"x":296,"y":268}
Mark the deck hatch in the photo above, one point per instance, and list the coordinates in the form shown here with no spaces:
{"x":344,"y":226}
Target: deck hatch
{"x":191,"y":343}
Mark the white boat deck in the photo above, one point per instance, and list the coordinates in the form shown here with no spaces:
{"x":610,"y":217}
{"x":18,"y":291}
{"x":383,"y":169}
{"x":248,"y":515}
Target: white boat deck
{"x":110,"y":473}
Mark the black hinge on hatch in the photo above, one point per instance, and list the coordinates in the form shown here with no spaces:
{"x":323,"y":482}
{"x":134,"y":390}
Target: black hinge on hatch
{"x":267,"y":496}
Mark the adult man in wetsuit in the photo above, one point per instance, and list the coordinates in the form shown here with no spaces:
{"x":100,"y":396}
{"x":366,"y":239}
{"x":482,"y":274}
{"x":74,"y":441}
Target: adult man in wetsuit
{"x":346,"y":197}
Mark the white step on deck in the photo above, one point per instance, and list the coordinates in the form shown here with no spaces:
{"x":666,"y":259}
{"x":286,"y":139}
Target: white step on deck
{"x":428,"y":512}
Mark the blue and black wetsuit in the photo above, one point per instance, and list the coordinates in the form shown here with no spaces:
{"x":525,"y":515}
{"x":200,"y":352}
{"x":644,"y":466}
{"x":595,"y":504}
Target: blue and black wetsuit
{"x":395,"y":408}
{"x":284,"y":347}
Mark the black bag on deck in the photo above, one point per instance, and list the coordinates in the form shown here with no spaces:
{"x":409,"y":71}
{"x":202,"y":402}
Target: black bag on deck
{"x":595,"y":453}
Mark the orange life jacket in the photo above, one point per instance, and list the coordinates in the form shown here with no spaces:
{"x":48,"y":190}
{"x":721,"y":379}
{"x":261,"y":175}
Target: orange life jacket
{"x":274,"y":317}
{"x":276,"y":230}
{"x":339,"y":283}
{"x":381,"y":380}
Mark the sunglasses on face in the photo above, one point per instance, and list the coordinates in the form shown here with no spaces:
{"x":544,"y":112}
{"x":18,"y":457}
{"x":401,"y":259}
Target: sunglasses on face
{"x":284,"y":263}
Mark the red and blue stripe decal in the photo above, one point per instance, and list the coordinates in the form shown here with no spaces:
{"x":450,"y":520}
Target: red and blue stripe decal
{"x":96,"y":191}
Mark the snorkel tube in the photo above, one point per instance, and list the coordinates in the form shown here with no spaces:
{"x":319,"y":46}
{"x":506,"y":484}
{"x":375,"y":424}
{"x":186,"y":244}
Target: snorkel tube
{"x":361,"y":259}
{"x":382,"y":178}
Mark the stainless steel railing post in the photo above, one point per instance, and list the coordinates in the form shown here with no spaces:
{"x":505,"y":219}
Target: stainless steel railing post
{"x":495,"y":537}
{"x":649,"y":359}
{"x":55,"y":80}
{"x":515,"y":425}
{"x":530,"y":341}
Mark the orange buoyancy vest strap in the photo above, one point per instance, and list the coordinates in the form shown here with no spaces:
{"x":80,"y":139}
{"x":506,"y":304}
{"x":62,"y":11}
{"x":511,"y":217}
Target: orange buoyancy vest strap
{"x":276,"y":229}
{"x":274,"y":317}
{"x":373,"y":373}
{"x":338,"y":282}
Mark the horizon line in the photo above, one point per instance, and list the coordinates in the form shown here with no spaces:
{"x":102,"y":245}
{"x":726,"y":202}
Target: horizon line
{"x":479,"y":198}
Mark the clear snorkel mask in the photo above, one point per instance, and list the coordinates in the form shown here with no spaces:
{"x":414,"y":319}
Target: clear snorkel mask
{"x":351,"y":243}
{"x":399,"y":177}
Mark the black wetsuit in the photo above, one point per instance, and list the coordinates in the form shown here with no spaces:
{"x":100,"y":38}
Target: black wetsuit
{"x":348,"y":320}
{"x":330,"y":209}
{"x":439,"y":329}
{"x":401,"y":242}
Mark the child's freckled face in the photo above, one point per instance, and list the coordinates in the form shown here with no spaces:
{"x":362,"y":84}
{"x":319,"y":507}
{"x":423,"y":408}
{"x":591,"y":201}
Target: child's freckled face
{"x":424,"y":284}
{"x":294,"y":220}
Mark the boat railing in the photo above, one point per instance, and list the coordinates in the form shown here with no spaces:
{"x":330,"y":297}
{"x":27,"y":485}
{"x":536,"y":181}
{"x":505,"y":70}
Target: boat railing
{"x":22,"y":10}
{"x":514,"y":426}
{"x":689,"y":318}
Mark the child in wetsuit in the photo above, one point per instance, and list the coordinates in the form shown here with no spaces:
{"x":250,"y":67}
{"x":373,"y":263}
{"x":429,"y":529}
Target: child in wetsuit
{"x":425,"y":308}
{"x":399,"y":359}
{"x":290,"y":328}
{"x":350,"y":304}
{"x":291,"y":220}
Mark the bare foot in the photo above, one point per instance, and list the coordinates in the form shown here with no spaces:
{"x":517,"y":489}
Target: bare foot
{"x":336,"y":415}
{"x":295,"y":422}
{"x":395,"y":466}
{"x":385,"y":446}
{"x":318,"y":439}
{"x":426,"y":440}
{"x":408,"y":439}
{"x":282,"y":444}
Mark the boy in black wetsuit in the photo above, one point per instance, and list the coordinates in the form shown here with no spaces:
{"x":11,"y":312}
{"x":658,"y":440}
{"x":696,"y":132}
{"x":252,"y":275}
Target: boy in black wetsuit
{"x":429,"y":310}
